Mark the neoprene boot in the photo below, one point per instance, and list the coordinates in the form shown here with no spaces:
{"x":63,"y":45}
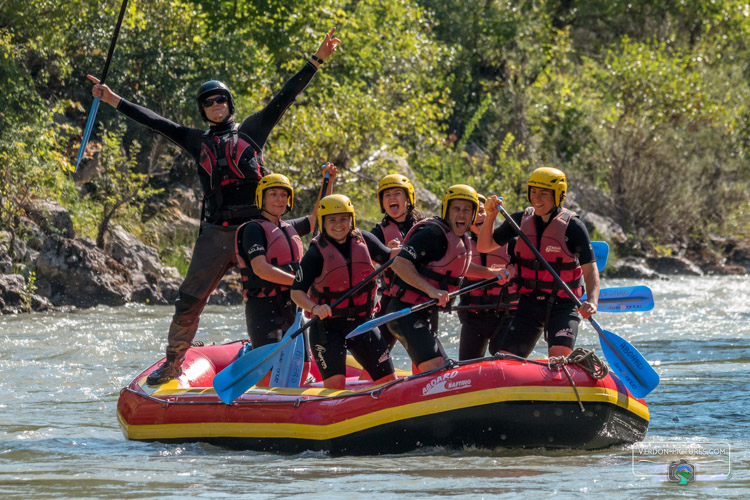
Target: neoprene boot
{"x":168,"y":370}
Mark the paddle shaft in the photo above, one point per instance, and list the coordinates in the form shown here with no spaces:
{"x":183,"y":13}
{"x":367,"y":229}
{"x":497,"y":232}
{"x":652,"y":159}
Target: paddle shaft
{"x":381,"y":320}
{"x":478,"y":307}
{"x":461,"y":291}
{"x":326,"y":180}
{"x":113,"y":42}
{"x":95,"y":105}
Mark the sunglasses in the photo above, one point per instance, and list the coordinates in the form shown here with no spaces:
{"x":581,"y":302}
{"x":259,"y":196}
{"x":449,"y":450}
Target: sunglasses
{"x":210,"y":102}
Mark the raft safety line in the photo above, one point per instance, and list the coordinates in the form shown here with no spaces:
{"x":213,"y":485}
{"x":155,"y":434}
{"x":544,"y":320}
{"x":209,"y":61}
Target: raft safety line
{"x":586,"y":360}
{"x":581,"y":356}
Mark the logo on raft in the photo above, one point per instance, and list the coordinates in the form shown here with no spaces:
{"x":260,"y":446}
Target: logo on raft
{"x":443,"y":383}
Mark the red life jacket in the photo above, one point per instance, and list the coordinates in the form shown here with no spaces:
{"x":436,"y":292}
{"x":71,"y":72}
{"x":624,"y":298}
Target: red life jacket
{"x":283,"y":250}
{"x":446,"y":273}
{"x":338,"y":277}
{"x":228,"y":159}
{"x":390,"y":232}
{"x":493,"y":294}
{"x":533,"y":276}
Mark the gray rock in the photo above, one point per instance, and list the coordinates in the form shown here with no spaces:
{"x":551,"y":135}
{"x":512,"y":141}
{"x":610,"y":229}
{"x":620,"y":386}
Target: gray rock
{"x":229,"y":291}
{"x":51,"y":217}
{"x":15,"y":296}
{"x":82,"y":275}
{"x":630,"y":267}
{"x":606,"y":226}
{"x":726,"y":270}
{"x":739,"y":255}
{"x":129,"y":251}
{"x":673,"y":266}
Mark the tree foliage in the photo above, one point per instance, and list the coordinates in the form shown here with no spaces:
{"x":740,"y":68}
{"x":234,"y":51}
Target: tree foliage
{"x":647,"y":102}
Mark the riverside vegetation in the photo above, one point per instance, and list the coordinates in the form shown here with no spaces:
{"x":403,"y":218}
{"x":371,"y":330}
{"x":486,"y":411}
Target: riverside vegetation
{"x":644,"y":106}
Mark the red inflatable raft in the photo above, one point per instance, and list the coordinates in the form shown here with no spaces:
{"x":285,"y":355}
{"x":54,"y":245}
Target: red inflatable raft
{"x":486,"y":403}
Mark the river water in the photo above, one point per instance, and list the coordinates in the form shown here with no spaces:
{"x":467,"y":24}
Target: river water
{"x":61,"y":373}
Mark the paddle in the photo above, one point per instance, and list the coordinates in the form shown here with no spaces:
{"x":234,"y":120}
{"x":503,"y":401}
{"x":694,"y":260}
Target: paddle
{"x":629,"y":364}
{"x":95,"y":104}
{"x":601,"y":253}
{"x":624,"y":299}
{"x":615,"y":299}
{"x":288,"y":369}
{"x":246,"y":371}
{"x":326,"y":180}
{"x":376,"y":322}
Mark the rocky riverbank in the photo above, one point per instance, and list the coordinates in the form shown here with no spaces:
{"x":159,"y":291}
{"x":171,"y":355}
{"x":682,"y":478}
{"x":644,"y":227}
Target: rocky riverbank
{"x":53,"y":269}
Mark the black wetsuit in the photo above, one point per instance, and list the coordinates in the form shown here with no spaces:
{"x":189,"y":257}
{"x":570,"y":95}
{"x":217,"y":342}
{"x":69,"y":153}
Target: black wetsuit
{"x":483,"y":328}
{"x":213,"y":254}
{"x":377,"y":231}
{"x":418,"y":332}
{"x":267,"y":318}
{"x":327,"y":337}
{"x":537,"y":312}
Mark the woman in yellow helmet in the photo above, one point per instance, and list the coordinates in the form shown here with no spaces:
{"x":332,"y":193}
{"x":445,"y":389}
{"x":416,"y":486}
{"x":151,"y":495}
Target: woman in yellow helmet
{"x":338,"y":259}
{"x":397,"y":200}
{"x":562,"y":239}
{"x":269,"y":251}
{"x":435,"y":257}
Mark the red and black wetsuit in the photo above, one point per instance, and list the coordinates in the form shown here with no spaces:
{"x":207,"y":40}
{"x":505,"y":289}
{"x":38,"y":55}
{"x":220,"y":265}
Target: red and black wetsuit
{"x":229,"y":192}
{"x":385,"y":231}
{"x":431,"y":247}
{"x":539,"y":312}
{"x":269,"y":310}
{"x":328,"y":337}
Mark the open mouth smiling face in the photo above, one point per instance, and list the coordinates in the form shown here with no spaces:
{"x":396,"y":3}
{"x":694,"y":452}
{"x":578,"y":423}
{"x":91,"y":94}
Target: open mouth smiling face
{"x":394,"y":202}
{"x":460,"y":214}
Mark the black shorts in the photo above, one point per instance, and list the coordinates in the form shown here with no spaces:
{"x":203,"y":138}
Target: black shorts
{"x":528,"y":325}
{"x":480,"y":330}
{"x":269,"y":318}
{"x":329,"y":345}
{"x":417,"y":332}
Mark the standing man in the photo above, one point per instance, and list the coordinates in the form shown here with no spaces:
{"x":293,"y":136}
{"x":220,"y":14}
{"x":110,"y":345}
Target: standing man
{"x":562,"y":239}
{"x":230,"y":164}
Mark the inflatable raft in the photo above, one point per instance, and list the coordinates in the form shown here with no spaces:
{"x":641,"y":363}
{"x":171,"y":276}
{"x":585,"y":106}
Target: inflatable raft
{"x":486,"y":403}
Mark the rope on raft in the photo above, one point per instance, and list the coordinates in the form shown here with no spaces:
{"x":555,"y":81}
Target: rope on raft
{"x":587,"y":360}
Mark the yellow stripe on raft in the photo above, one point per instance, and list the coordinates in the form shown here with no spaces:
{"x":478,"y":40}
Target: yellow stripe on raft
{"x":380,"y":417}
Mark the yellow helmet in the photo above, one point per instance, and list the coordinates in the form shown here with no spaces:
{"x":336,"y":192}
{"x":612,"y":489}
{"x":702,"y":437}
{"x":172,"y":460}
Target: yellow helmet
{"x":482,"y":198}
{"x":548,"y":178}
{"x":459,"y":192}
{"x":335,"y":204}
{"x":395,"y":181}
{"x":274,"y":181}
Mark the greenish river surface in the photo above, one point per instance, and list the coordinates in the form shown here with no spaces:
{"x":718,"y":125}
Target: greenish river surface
{"x":61,"y":374}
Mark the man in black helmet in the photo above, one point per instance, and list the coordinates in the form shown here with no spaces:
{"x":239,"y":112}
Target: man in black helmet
{"x":230,"y":164}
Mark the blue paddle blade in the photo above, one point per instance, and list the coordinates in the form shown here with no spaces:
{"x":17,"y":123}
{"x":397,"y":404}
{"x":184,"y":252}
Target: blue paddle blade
{"x":288,"y":369}
{"x":246,"y":371}
{"x":376,"y":322}
{"x":87,"y":130}
{"x":625,"y":299}
{"x":601,"y":253}
{"x":627,"y":363}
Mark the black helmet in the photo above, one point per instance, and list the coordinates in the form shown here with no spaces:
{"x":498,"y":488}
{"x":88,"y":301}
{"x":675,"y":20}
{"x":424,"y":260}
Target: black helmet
{"x":213,"y":87}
